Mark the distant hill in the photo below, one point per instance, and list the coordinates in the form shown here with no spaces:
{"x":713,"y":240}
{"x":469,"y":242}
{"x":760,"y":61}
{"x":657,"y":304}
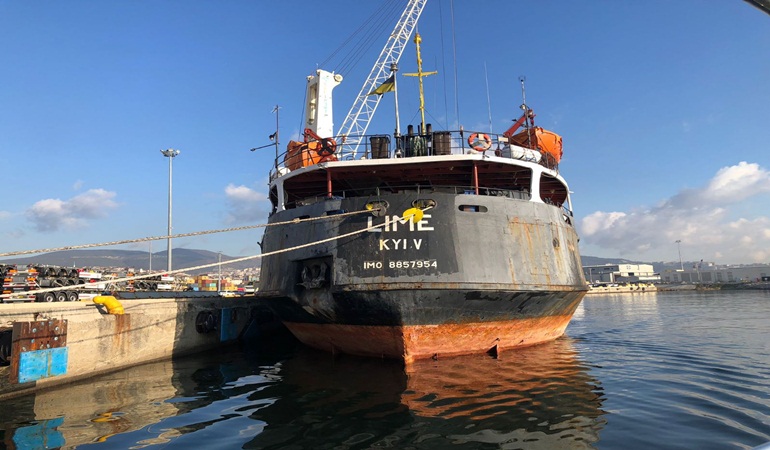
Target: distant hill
{"x":182,"y":257}
{"x":597,"y":261}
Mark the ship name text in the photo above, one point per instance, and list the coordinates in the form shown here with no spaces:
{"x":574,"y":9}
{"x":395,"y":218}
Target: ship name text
{"x":399,"y":244}
{"x":393,"y":223}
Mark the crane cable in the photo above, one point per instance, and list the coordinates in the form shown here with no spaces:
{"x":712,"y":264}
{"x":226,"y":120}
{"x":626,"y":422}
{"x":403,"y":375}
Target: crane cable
{"x":369,"y":31}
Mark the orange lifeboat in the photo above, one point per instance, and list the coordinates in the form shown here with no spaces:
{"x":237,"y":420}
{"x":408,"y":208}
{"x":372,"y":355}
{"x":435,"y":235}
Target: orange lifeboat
{"x":537,"y":138}
{"x":302,"y":154}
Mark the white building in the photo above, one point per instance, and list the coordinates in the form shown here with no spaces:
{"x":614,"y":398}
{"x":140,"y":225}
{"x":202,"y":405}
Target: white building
{"x":708,"y":273}
{"x":620,"y":273}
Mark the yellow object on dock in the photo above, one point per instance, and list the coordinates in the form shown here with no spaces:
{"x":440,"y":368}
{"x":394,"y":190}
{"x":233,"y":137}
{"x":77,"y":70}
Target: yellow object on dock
{"x":111,"y":303}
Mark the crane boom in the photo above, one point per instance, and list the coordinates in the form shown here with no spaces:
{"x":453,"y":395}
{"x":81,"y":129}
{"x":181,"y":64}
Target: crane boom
{"x":357,"y":121}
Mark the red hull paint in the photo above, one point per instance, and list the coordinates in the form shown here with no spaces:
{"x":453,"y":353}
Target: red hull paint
{"x":426,"y":341}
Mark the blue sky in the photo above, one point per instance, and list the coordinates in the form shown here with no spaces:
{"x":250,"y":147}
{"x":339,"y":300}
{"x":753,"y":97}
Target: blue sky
{"x":663,"y":107}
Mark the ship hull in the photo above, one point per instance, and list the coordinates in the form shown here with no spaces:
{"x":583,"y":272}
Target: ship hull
{"x":431,"y":323}
{"x":476,"y":274}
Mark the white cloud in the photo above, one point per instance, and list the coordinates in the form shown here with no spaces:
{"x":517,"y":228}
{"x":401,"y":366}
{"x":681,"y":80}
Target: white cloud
{"x":700,"y":218}
{"x":739,"y":182}
{"x":54,"y":214}
{"x":245,"y":205}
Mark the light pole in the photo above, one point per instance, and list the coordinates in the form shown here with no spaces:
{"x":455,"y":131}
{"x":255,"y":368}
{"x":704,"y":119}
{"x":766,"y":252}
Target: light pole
{"x":219,"y":280}
{"x":679,"y":247}
{"x":170,"y":154}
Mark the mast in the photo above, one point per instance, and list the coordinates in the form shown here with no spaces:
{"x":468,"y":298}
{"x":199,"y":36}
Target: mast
{"x":420,"y":74}
{"x":393,"y":70}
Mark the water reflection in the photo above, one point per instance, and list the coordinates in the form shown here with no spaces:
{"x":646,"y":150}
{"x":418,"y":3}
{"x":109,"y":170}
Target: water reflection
{"x":539,"y":397}
{"x":92,"y":411}
{"x":542,"y":396}
{"x":126,"y":409}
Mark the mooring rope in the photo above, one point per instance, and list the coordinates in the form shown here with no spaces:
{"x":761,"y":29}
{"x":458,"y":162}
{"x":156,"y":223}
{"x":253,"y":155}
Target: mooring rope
{"x":174,"y":236}
{"x":205,"y":266}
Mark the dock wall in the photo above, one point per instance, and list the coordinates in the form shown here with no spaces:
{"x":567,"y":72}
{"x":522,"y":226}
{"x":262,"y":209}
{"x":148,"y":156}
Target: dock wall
{"x":623,"y":289}
{"x":88,"y":341}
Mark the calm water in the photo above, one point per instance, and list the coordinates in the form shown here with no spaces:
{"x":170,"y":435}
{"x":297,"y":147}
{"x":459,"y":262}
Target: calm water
{"x":664,"y":371}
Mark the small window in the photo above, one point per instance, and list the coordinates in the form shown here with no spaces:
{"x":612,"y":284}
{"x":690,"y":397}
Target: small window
{"x":473,"y":208}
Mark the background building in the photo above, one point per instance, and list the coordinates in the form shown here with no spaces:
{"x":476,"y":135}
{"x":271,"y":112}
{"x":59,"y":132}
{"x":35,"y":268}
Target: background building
{"x":708,"y":273}
{"x":620,"y":273}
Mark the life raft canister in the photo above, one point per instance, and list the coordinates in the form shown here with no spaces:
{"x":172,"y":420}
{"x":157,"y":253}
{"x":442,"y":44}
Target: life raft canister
{"x":480,"y":141}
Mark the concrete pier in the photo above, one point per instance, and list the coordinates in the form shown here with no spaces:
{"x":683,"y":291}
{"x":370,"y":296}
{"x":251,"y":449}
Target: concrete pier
{"x":627,"y":288}
{"x":57,"y":343}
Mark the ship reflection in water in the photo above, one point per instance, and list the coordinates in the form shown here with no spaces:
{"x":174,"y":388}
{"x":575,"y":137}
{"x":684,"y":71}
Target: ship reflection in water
{"x":539,"y":397}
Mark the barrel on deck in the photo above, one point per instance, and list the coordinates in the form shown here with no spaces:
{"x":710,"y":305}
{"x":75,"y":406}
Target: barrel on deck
{"x":442,"y":143}
{"x":380,"y":146}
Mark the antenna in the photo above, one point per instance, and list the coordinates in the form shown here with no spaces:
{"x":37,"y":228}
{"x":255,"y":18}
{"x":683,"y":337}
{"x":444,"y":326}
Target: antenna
{"x":273,"y":137}
{"x":528,"y":117}
{"x":489,"y":104}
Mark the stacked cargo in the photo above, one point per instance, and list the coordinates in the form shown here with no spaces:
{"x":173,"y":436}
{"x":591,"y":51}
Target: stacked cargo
{"x":18,"y":283}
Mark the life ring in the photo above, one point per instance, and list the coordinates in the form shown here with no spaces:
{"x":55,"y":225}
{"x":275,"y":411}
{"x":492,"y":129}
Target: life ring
{"x":328,"y":146}
{"x":480,"y":142}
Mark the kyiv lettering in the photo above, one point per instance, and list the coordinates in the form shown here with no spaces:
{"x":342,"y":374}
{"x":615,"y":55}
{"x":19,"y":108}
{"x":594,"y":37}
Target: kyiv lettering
{"x":399,"y":244}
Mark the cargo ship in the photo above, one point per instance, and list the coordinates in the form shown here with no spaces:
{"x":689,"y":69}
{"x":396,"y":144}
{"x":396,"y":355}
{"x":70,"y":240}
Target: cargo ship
{"x":418,"y":245}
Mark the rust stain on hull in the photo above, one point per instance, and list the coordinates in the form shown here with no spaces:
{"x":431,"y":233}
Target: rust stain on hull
{"x":414,"y":342}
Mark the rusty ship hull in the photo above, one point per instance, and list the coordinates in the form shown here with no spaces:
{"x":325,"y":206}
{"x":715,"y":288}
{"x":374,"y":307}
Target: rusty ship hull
{"x":477,"y":273}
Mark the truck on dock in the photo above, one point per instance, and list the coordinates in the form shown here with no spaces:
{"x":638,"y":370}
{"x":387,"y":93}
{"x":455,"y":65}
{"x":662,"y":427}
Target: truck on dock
{"x":21,"y":282}
{"x":156,"y":283}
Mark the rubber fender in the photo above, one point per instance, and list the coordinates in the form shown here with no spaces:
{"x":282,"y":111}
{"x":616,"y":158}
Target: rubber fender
{"x":111,"y":303}
{"x":205,"y":322}
{"x":5,"y":346}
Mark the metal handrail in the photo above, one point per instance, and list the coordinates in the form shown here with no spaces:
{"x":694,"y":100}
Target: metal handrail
{"x":381,"y":146}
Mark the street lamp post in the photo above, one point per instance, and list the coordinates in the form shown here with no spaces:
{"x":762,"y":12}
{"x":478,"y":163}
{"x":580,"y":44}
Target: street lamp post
{"x":170,"y":154}
{"x":219,"y":280}
{"x":679,"y":247}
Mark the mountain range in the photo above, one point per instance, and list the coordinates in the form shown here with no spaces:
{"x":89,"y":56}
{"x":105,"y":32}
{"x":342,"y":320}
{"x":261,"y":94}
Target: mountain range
{"x":135,"y":259}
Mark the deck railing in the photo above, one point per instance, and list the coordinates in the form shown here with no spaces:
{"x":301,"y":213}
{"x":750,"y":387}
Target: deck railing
{"x":382,"y":146}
